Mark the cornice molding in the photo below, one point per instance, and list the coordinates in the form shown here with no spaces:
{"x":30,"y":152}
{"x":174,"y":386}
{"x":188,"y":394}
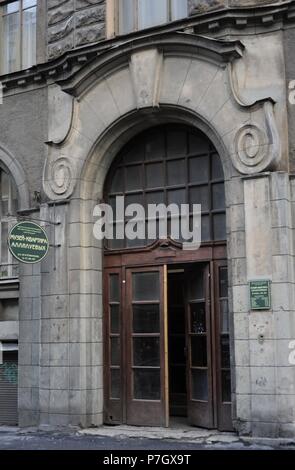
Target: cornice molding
{"x":262,"y":17}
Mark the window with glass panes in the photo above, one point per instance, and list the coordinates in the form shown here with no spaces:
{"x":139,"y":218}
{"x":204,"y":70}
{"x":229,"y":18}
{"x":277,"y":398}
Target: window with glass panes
{"x":17,"y":35}
{"x":170,"y":165}
{"x":8,"y":208}
{"x":134,"y":15}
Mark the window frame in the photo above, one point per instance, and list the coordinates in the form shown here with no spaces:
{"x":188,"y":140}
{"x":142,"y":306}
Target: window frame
{"x":138,"y":143}
{"x":10,"y":219}
{"x":113,"y":18}
{"x":19,"y":58}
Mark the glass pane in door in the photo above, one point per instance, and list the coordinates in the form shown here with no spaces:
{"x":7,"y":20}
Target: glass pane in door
{"x":146,"y":335}
{"x":224,"y":336}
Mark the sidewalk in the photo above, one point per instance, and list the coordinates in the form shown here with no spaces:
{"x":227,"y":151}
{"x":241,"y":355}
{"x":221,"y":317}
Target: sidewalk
{"x":184,"y":433}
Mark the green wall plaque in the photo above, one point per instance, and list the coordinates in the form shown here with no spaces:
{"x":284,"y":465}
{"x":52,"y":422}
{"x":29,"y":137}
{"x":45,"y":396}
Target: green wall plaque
{"x":28,"y":242}
{"x":260,"y":296}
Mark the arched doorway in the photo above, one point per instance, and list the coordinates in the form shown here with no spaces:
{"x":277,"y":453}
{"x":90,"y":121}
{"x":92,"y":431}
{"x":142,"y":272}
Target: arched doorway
{"x":166,"y":321}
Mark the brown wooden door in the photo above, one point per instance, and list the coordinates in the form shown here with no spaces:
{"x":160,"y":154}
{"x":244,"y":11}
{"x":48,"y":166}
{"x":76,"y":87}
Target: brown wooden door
{"x":145,"y":347}
{"x":208,"y":346}
{"x":114,"y":386}
{"x":199,"y":347}
{"x":222,"y":350}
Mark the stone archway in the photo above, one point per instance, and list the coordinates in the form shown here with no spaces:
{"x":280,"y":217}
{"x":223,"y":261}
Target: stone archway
{"x":180,"y":78}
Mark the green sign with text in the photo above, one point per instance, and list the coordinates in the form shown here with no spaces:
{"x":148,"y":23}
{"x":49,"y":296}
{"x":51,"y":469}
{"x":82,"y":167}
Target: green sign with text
{"x":260,"y":297}
{"x":28,"y":242}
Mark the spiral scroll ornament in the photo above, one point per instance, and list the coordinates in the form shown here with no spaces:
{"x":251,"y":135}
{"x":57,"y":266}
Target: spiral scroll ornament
{"x":61,"y":176}
{"x":251,"y":146}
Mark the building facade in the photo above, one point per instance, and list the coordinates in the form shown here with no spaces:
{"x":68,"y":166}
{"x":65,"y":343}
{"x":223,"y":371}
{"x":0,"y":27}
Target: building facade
{"x":157,"y":101}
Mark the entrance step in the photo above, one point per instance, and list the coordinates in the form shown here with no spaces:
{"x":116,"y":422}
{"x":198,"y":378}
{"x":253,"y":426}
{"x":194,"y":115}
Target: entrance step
{"x":177,"y":431}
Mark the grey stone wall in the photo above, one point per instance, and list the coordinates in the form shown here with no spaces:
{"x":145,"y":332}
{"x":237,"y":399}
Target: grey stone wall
{"x":74,"y":23}
{"x":23,"y":132}
{"x":289,"y":44}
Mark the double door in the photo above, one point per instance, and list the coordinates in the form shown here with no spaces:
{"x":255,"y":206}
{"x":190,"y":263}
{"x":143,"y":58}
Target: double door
{"x":167,"y":345}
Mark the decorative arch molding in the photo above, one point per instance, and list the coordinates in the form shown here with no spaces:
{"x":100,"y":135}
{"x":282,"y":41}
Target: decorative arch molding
{"x":140,"y":80}
{"x":12,"y":165}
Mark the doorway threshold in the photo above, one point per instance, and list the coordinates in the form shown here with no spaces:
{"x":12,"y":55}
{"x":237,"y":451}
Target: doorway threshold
{"x":178,"y":431}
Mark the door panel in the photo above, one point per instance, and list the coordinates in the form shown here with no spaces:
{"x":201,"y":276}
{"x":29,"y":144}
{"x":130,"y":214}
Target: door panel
{"x":113,"y":377}
{"x":145,"y":364}
{"x":199,"y":363}
{"x":224,"y":405}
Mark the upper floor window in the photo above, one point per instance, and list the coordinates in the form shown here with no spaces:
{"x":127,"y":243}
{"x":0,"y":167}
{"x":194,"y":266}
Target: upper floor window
{"x":134,"y":15}
{"x":18,"y":35}
{"x":8,"y":208}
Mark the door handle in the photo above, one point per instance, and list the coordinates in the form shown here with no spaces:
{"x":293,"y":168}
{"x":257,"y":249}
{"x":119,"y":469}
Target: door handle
{"x":185,"y":352}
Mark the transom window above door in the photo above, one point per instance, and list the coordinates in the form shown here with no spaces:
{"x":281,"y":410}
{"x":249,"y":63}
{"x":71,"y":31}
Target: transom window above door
{"x":170,"y":164}
{"x":133,"y":15}
{"x":17,"y":35}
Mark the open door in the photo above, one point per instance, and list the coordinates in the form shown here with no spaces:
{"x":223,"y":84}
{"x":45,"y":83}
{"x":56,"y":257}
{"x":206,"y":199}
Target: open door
{"x":146,"y":352}
{"x":199,"y":353}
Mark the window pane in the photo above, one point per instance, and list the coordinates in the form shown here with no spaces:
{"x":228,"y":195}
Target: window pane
{"x":29,"y":3}
{"x":219,"y":226}
{"x":11,"y":41}
{"x":199,"y":385}
{"x":225,"y":352}
{"x":146,"y":319}
{"x":224,"y":316}
{"x":4,"y":246}
{"x":133,"y":177}
{"x":146,"y":286}
{"x":177,"y":196}
{"x":135,"y":154}
{"x":154,"y":175}
{"x":114,"y":288}
{"x":199,"y":169}
{"x":199,"y":351}
{"x":147,"y":384}
{"x":156,"y":197}
{"x":115,"y":319}
{"x":155,"y":146}
{"x":196,"y":285}
{"x":223,"y":282}
{"x":198,"y":144}
{"x":115,"y":352}
{"x":217,"y":170}
{"x":218,"y":196}
{"x":146,"y":352}
{"x":126,"y":15}
{"x":14,"y":202}
{"x":226,"y":386}
{"x":11,"y":8}
{"x":117,"y":185}
{"x":198,"y":318}
{"x":152,"y":13}
{"x":133,"y":199}
{"x":176,"y":143}
{"x":179,"y":9}
{"x":29,"y":38}
{"x":115,"y":383}
{"x":176,"y":172}
{"x":200,"y":195}
{"x":206,"y":236}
